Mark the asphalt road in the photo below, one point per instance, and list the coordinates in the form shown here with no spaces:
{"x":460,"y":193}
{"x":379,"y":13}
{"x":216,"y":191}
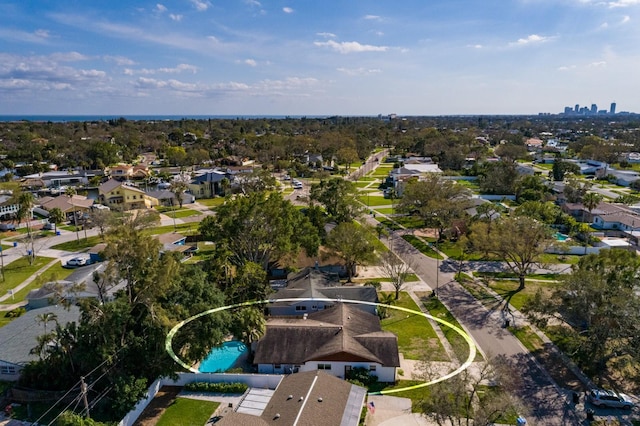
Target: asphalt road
{"x":548,"y":404}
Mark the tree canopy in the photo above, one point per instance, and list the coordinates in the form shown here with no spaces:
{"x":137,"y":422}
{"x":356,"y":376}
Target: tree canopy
{"x":339,"y":198}
{"x":261,"y":228}
{"x":435,"y":200}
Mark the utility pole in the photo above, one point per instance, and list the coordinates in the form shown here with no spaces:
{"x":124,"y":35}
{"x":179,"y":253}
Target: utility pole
{"x":83,"y":389}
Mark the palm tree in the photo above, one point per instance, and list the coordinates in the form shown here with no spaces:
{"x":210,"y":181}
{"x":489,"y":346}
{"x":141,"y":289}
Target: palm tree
{"x":70,"y":192}
{"x":56,"y":216}
{"x":25,"y":202}
{"x":590,"y":201}
{"x":46,"y":318}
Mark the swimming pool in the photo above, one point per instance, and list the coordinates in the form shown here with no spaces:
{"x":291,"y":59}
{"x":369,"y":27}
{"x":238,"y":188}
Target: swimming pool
{"x":222,"y":358}
{"x":560,"y":237}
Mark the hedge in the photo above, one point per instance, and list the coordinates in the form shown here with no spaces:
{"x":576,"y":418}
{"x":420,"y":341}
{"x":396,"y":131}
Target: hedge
{"x":216,"y":387}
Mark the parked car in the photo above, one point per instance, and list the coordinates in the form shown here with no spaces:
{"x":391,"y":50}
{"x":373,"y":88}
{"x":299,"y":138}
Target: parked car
{"x":608,"y":398}
{"x":7,"y":227}
{"x":77,"y":261}
{"x":48,"y":226}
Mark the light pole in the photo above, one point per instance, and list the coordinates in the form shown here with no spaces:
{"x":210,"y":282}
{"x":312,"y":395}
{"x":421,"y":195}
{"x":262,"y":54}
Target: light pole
{"x":437,"y":269}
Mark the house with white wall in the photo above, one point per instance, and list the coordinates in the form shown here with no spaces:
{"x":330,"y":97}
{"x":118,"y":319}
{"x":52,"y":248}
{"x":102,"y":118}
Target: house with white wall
{"x":334,"y":340}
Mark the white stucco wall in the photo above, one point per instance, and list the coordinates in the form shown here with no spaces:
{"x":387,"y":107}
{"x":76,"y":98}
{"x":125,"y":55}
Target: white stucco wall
{"x":385,"y":374}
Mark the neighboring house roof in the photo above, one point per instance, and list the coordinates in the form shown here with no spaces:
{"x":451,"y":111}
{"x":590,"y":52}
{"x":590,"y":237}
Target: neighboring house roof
{"x":631,"y":221}
{"x":20,"y":335}
{"x":171,"y":238}
{"x":66,"y":203}
{"x":112,"y":184}
{"x":312,"y":397}
{"x":209,"y":176}
{"x":313,"y":283}
{"x":338,"y":333}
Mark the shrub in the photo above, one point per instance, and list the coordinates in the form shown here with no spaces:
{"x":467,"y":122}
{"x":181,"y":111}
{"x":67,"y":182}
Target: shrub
{"x":361,"y":375}
{"x":15,"y":313}
{"x":235,"y":387}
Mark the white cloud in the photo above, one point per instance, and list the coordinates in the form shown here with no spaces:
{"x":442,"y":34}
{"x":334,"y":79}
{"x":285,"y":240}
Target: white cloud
{"x":254,"y":3}
{"x":372,"y":18}
{"x":68,"y":57}
{"x":160,"y":8}
{"x":251,"y":62}
{"x":201,"y":5}
{"x":532,"y":39}
{"x":175,"y":17}
{"x":46,"y":71}
{"x":23,"y":36}
{"x":475,"y":46}
{"x":566,"y":68}
{"x":350,"y":46}
{"x":119,"y":60}
{"x":175,"y":70}
{"x":326,"y":35}
{"x":42,"y":33}
{"x":359,"y":71}
{"x":625,"y":19}
{"x":623,"y":3}
{"x":287,"y":9}
{"x":597,"y":64}
{"x":604,"y":26}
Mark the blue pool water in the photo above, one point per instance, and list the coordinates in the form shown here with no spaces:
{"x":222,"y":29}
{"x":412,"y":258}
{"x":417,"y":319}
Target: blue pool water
{"x":222,"y":358}
{"x":560,"y":237}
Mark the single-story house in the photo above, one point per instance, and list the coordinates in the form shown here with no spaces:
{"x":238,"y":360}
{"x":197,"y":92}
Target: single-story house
{"x":168,"y":198}
{"x":313,"y":283}
{"x":335,"y":340}
{"x":56,"y":179}
{"x":20,"y":336}
{"x":67,"y":204}
{"x":176,"y":242}
{"x":309,"y":398}
{"x":618,"y":221}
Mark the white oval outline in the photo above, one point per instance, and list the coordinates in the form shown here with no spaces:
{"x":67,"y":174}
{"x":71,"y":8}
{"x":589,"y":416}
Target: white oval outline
{"x":467,"y":338}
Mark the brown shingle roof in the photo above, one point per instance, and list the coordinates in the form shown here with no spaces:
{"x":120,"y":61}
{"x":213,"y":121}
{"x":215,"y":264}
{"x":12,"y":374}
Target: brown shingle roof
{"x":341,"y":332}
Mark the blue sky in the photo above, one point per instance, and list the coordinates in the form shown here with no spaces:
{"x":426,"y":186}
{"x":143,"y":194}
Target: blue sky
{"x":305,"y":57}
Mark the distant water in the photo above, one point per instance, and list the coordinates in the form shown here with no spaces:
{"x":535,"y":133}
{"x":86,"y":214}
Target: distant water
{"x":81,"y":118}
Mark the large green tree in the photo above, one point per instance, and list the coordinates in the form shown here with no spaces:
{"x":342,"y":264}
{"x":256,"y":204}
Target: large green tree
{"x":118,"y":345}
{"x":353,"y":243}
{"x":339,"y":198}
{"x":261,"y":228}
{"x":600,"y":307}
{"x":519,"y":241}
{"x":437,"y":201}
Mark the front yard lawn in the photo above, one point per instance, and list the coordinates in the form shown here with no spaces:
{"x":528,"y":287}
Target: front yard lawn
{"x":76,"y":245}
{"x":422,"y":246}
{"x":19,"y":270}
{"x":374,"y":200}
{"x":416,"y":337}
{"x":211,"y":202}
{"x":457,"y":342}
{"x":188,"y":412}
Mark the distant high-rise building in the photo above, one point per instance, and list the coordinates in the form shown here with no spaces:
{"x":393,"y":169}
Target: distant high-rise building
{"x":594,"y":109}
{"x":577,"y":108}
{"x":612,"y":110}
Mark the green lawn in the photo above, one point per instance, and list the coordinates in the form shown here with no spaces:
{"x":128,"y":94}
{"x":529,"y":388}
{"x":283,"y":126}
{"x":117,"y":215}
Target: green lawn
{"x":457,"y":342}
{"x":211,"y":202}
{"x":397,"y":222}
{"x":183,"y":228}
{"x":181,"y":213}
{"x":416,"y":395}
{"x":423,"y":247}
{"x":76,"y":245}
{"x":385,"y":210}
{"x":188,"y":412}
{"x":509,"y":290}
{"x":416,"y":337}
{"x":19,"y":270}
{"x":374,"y":200}
{"x":528,"y":338}
{"x":53,"y":273}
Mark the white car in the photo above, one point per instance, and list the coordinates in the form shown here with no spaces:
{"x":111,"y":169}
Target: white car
{"x":607,"y":398}
{"x":77,"y":261}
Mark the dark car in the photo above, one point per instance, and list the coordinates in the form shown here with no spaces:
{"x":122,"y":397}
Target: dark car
{"x":48,"y":226}
{"x":7,"y":227}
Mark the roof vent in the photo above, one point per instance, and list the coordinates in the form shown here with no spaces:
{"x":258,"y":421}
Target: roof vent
{"x":301,"y":398}
{"x":277,"y":416}
{"x":320,"y":399}
{"x":289,"y":397}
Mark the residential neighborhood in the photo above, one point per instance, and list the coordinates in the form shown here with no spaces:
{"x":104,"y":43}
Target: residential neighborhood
{"x":442,"y":259}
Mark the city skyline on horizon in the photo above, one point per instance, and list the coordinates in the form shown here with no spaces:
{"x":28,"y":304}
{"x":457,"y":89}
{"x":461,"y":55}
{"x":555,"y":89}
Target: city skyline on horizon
{"x":362,"y":58}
